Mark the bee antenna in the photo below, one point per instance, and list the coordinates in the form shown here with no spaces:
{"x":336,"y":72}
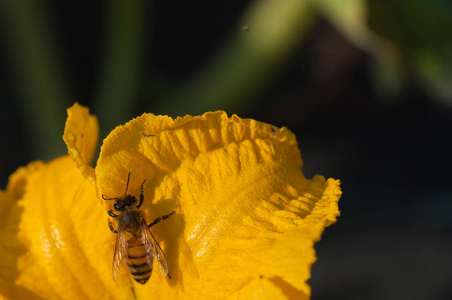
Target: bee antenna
{"x":127,"y":186}
{"x":109,"y":198}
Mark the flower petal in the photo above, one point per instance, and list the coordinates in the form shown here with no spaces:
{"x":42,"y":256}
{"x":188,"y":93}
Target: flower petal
{"x":63,"y":249}
{"x":243,"y":207}
{"x":18,"y":180}
{"x":272,"y":289}
{"x":10,"y":248}
{"x":81,"y":134}
{"x":66,"y":234}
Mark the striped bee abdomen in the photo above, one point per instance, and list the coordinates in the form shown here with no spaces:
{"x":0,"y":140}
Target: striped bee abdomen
{"x":139,"y":260}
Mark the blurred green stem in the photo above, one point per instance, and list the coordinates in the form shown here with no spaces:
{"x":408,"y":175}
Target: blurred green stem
{"x":36,"y":64}
{"x":121,"y":65}
{"x":247,"y":61}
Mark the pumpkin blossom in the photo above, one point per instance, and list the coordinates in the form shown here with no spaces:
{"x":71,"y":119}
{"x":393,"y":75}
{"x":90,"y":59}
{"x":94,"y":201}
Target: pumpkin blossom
{"x":244,"y":224}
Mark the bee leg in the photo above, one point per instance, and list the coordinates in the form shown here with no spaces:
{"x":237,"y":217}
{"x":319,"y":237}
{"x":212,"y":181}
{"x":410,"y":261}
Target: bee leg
{"x":141,"y":195}
{"x":159,"y":219}
{"x":111,"y":214}
{"x":111,"y":227}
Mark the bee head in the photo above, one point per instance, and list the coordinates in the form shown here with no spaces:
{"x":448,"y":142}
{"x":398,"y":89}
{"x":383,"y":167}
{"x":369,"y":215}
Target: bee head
{"x":125,"y":202}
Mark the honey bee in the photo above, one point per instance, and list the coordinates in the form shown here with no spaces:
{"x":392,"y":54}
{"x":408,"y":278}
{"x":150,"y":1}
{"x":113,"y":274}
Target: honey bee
{"x":136,"y":247}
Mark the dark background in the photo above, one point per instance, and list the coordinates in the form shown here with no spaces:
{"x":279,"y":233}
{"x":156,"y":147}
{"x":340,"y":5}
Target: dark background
{"x":366,"y":87}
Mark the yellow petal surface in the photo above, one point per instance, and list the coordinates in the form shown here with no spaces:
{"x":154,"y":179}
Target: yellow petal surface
{"x":59,"y":234}
{"x":10,"y":248}
{"x":81,"y":134}
{"x":245,"y":217}
{"x":244,"y":209}
{"x":271,"y":289}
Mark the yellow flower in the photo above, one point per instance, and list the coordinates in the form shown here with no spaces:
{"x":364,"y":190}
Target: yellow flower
{"x":245,"y":216}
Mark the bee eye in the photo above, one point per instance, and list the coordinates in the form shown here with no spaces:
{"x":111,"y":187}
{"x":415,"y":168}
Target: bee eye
{"x":117,"y":206}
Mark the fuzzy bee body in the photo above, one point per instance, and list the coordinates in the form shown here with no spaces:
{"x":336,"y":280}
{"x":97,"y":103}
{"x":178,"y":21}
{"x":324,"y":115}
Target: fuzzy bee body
{"x":136,"y":247}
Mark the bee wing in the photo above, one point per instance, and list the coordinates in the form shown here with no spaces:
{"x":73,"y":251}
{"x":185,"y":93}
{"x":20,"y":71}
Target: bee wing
{"x":119,"y":266}
{"x":154,"y":247}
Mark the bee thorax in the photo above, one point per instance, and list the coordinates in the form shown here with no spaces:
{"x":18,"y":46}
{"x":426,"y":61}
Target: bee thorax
{"x":130,"y":219}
